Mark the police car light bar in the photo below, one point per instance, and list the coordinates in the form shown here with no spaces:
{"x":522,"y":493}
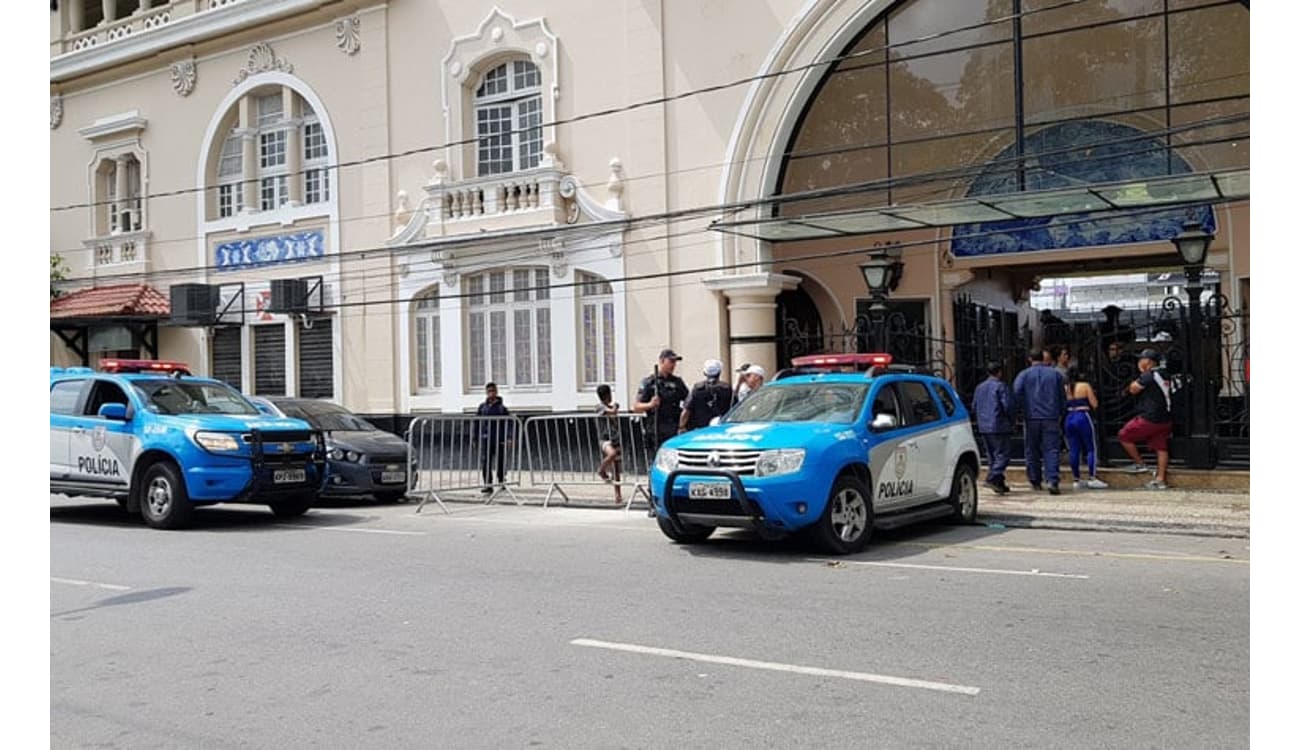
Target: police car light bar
{"x":143,"y":365}
{"x":844,"y":360}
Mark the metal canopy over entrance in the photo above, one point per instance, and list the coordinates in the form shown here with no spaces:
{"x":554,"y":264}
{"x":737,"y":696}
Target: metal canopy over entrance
{"x":1093,"y":201}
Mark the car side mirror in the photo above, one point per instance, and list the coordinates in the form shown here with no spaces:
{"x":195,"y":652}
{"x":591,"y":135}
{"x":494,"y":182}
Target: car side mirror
{"x":884,"y":421}
{"x":113,"y":411}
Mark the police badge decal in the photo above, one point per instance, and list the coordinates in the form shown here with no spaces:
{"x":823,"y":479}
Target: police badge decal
{"x":900,"y":462}
{"x":98,"y":439}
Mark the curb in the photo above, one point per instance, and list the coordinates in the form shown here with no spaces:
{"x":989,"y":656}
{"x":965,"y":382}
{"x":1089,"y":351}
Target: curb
{"x":1012,"y":520}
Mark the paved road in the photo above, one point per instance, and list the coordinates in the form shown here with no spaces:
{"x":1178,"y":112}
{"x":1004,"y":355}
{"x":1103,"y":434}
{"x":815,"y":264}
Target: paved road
{"x":362,"y":626}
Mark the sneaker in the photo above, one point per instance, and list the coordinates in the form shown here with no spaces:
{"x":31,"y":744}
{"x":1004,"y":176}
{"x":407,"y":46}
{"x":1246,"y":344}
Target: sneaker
{"x":1134,"y":469}
{"x":1053,"y":490}
{"x":1156,"y":484}
{"x":1096,"y":484}
{"x":486,"y":491}
{"x":1078,"y":485}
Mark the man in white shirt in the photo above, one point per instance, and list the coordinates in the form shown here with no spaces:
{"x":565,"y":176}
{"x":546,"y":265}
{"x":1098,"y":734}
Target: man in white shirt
{"x":751,"y":379}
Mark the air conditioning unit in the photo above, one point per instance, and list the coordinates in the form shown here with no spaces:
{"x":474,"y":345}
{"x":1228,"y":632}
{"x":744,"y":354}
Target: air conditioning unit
{"x":194,"y":304}
{"x":288,"y":296}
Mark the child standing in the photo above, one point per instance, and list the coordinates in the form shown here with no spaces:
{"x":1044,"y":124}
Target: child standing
{"x":610,"y":443}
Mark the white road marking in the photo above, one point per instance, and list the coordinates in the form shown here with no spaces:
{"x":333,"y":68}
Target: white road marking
{"x":354,"y":531}
{"x":75,"y":582}
{"x":1076,"y":552}
{"x":777,"y":667}
{"x":1034,"y":572}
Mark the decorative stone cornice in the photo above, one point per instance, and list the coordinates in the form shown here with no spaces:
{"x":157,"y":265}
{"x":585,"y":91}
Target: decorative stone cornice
{"x":56,"y":110}
{"x":124,"y":122}
{"x":751,"y":285}
{"x":262,"y":59}
{"x":184,"y":76}
{"x":348,"y":32}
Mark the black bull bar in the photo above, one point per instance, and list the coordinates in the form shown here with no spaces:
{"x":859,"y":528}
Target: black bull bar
{"x":750,"y":508}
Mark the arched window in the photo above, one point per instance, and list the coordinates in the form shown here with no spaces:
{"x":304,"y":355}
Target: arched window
{"x":428,"y":342}
{"x":596,"y":313}
{"x":274,"y":154}
{"x":508,"y":118}
{"x":508,"y":320}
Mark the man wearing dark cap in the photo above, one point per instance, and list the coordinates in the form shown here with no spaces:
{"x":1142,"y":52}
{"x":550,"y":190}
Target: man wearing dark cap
{"x":1154,"y":423}
{"x":993,"y":415}
{"x":661,"y":395}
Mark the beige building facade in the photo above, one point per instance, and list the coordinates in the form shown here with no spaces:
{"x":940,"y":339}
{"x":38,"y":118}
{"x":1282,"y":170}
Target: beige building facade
{"x":390,"y":204}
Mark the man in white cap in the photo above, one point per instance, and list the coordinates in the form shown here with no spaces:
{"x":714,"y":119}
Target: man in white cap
{"x":710,"y":398}
{"x":751,"y":379}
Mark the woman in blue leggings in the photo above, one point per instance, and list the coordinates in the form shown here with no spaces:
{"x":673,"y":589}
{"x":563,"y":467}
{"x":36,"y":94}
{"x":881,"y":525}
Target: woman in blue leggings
{"x":1080,"y":432}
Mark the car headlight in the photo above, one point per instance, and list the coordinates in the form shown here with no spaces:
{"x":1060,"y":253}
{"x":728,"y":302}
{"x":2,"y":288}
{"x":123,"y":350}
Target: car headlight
{"x":337,"y":454}
{"x":666,"y":459}
{"x":354,"y":457}
{"x":783,"y":461}
{"x":216,"y":441}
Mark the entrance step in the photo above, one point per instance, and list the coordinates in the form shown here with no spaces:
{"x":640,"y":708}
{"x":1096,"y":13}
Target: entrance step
{"x":1217,"y":480}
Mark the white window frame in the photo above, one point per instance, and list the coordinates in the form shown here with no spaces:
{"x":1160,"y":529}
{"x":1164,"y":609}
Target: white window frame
{"x":497,"y":301}
{"x":517,"y":93}
{"x":315,"y":160}
{"x":230,"y":180}
{"x":110,"y":196}
{"x":272,"y":152}
{"x":426,"y":313}
{"x":597,"y":321}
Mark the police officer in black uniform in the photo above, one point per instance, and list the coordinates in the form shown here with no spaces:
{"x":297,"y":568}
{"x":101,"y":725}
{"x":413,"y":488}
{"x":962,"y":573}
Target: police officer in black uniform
{"x":661,"y":395}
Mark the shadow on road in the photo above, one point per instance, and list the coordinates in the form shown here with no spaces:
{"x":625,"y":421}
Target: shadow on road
{"x":884,"y":545}
{"x":135,"y":597}
{"x":233,"y":517}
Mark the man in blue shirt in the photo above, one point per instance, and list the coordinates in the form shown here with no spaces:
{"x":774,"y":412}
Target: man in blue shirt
{"x":993,"y":414}
{"x":1040,"y":392}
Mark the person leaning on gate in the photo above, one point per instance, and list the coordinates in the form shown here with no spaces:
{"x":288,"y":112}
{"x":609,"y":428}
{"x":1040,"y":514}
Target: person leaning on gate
{"x":1040,"y":392}
{"x":1154,"y":422}
{"x":710,"y":398}
{"x":994,"y":411}
{"x":661,"y":395}
{"x":494,"y":437}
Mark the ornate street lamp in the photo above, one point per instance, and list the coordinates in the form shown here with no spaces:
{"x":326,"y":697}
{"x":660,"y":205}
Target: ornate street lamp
{"x":882,"y":272}
{"x":1193,"y":244}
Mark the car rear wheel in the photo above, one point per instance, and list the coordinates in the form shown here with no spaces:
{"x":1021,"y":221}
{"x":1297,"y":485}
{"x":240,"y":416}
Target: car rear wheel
{"x":845,"y":525}
{"x":291,"y":507}
{"x":164,"y":502}
{"x":964,"y":496}
{"x":688,"y":534}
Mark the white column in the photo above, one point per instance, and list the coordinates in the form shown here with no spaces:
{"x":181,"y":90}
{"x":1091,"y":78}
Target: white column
{"x":455,"y":351}
{"x":293,"y":146}
{"x":291,"y":356}
{"x":121,"y":198}
{"x":751,"y":315}
{"x":110,"y":10}
{"x":76,"y":19}
{"x":247,"y":129}
{"x":566,"y":334}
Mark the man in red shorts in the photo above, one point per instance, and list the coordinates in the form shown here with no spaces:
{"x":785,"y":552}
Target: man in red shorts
{"x":1153,"y":423}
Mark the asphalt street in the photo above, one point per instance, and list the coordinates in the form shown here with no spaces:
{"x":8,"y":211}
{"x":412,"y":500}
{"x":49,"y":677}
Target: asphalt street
{"x":497,"y":626}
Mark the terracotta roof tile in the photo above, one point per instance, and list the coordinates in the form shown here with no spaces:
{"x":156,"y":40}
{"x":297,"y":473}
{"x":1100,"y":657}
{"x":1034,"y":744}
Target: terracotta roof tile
{"x":139,"y":300}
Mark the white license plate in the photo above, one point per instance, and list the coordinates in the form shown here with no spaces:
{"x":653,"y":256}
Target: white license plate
{"x":392,"y":477}
{"x":709,"y":491}
{"x":289,"y":476}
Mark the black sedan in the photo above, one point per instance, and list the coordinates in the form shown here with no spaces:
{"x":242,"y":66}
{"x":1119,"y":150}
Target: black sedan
{"x":362,"y":459}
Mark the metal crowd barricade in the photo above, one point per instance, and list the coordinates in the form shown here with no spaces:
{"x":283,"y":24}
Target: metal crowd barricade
{"x":461,"y":452}
{"x":564,"y":450}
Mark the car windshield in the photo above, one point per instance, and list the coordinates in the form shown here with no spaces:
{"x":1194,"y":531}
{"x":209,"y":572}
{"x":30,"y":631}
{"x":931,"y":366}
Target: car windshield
{"x":806,"y":402}
{"x":323,"y":415}
{"x":173,"y":396}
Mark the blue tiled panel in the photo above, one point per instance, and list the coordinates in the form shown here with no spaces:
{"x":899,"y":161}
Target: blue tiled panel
{"x":1068,"y":155}
{"x":265,"y":251}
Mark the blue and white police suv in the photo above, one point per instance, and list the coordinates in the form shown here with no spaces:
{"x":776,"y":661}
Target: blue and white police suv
{"x":160,"y":441}
{"x":836,"y":447}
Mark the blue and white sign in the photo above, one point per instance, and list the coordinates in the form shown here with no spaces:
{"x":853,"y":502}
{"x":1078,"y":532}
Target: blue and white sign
{"x":267,"y":251}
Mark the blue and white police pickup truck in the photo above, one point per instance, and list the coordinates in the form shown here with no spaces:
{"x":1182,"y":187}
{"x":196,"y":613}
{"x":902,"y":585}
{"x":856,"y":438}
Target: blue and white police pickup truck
{"x":830,"y":449}
{"x":162,"y":442}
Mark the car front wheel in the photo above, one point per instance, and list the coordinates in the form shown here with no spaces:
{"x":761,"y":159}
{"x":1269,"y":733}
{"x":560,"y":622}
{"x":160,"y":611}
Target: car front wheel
{"x":845,"y":525}
{"x":164,"y":502}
